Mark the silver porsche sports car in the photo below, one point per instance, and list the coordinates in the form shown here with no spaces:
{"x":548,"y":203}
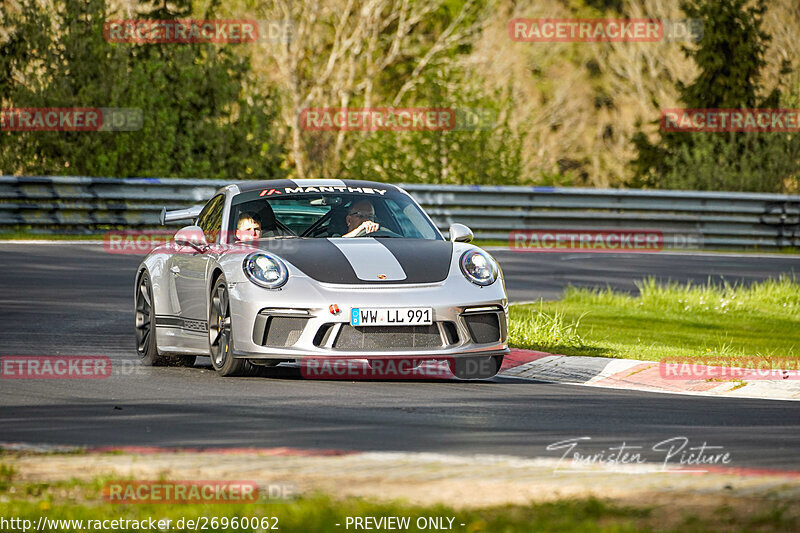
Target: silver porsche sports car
{"x":284,"y":270}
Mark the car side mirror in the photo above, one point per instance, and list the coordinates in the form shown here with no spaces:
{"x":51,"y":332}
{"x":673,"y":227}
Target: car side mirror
{"x":460,"y":233}
{"x":192,"y":236}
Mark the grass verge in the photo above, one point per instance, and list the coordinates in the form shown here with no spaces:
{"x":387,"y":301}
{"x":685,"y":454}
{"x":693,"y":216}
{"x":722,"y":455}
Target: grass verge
{"x":82,"y":501}
{"x":709,"y":323}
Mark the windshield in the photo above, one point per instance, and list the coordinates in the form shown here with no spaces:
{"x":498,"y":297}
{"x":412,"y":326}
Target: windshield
{"x":382,"y":213}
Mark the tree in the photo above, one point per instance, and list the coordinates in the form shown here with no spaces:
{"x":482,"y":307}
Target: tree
{"x":730,"y":58}
{"x":482,"y":148}
{"x":360,"y":53}
{"x":198,"y":118}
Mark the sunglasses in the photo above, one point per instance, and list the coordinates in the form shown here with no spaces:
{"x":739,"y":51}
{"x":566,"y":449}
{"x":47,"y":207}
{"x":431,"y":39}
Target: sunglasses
{"x":363,"y":216}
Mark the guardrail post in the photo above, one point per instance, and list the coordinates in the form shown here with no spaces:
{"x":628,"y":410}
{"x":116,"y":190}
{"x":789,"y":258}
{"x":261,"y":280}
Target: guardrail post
{"x":788,"y":224}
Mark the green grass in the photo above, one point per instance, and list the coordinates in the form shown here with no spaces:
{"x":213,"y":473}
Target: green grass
{"x":699,"y":322}
{"x":7,"y":473}
{"x":320,"y":514}
{"x":74,"y":500}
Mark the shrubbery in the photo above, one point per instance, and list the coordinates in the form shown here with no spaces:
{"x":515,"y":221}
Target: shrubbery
{"x":201,"y":117}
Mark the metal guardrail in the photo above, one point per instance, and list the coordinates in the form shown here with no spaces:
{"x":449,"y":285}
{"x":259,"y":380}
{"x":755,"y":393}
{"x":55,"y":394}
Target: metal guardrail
{"x":710,"y":219}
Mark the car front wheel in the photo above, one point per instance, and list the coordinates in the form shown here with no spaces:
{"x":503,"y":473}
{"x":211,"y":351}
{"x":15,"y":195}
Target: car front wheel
{"x":220,"y":337}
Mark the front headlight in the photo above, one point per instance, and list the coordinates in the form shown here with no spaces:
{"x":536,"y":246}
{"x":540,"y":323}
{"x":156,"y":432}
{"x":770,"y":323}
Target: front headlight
{"x":265,"y":270}
{"x":479,"y":267}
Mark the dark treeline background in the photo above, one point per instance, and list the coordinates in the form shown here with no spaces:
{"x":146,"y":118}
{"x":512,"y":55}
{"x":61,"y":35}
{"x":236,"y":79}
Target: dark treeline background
{"x":574,"y":114}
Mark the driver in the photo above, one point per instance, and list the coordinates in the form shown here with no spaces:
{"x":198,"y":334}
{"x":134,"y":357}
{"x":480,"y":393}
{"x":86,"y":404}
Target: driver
{"x":248,"y":228}
{"x":361,"y":218}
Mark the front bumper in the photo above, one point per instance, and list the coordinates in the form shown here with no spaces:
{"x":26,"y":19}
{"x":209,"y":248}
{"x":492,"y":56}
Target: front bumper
{"x":296,"y":322}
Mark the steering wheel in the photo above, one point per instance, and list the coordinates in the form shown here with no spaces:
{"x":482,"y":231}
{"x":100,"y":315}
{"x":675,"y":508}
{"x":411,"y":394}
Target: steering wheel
{"x":382,"y":232}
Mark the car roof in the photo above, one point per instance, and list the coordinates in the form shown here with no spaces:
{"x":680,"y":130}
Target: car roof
{"x":246,"y":186}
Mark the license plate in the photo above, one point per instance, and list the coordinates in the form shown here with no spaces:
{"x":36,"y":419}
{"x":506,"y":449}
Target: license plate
{"x":391,"y":316}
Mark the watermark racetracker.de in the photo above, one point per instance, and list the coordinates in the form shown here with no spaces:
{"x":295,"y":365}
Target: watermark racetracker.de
{"x":647,"y":30}
{"x":141,"y":242}
{"x":600,"y":241}
{"x":202,"y":523}
{"x":730,"y":120}
{"x":397,"y":119}
{"x":55,"y":367}
{"x":736,"y":368}
{"x":378,"y":119}
{"x":354,"y":368}
{"x":183,"y":492}
{"x":22,"y":119}
{"x":475,"y":118}
{"x":206,"y":31}
{"x":196,"y":491}
{"x":69,"y":367}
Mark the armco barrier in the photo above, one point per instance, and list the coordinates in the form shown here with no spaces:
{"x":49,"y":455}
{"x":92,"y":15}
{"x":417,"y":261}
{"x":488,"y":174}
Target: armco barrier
{"x":714,"y":219}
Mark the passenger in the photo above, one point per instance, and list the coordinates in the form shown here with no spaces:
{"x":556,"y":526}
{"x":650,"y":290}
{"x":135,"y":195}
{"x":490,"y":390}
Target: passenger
{"x":248,"y":228}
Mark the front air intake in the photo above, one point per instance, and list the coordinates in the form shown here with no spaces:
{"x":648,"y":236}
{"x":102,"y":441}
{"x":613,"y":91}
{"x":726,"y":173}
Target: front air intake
{"x":387,"y":337}
{"x":483,"y":327}
{"x":283,"y":331}
{"x":278,"y":331}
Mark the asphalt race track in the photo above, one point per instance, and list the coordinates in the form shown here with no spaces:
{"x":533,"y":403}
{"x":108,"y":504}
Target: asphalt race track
{"x":75,"y":299}
{"x":530,"y":276}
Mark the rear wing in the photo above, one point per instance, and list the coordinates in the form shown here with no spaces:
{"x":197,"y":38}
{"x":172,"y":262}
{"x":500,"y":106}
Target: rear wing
{"x":190,"y":213}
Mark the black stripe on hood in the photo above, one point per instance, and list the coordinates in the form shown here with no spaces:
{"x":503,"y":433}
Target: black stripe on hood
{"x":317,"y":258}
{"x":424,"y":261}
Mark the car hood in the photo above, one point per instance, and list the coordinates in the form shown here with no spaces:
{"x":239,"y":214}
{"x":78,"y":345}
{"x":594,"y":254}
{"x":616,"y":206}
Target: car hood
{"x":365,"y":259}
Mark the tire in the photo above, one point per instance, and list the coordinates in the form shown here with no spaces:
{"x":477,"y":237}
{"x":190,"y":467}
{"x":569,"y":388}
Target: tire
{"x":481,"y":367}
{"x":144,"y":322}
{"x":220,"y":338}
